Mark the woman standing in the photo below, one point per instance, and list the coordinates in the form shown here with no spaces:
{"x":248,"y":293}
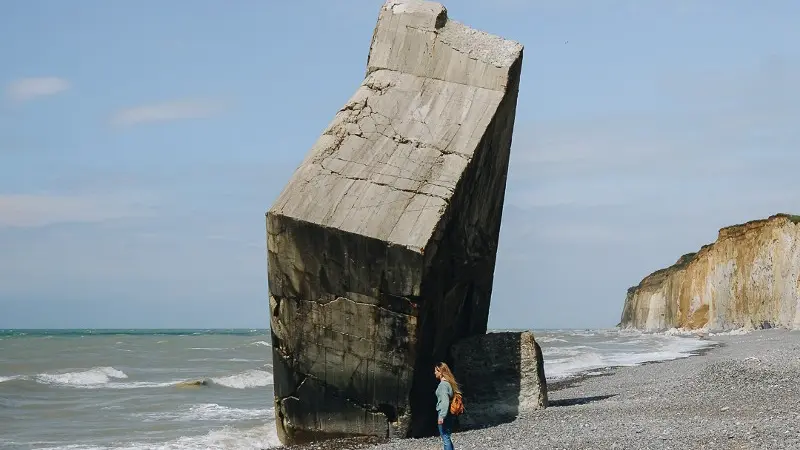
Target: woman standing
{"x":444,"y":394}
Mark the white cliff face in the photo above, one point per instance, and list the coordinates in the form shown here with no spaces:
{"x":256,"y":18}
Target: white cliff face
{"x":749,"y":277}
{"x":656,"y":311}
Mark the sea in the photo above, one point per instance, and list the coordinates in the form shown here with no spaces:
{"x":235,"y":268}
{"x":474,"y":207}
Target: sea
{"x":127,"y":389}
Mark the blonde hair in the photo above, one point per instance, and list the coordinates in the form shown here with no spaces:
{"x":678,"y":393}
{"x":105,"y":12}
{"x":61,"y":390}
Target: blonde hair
{"x":448,"y":376}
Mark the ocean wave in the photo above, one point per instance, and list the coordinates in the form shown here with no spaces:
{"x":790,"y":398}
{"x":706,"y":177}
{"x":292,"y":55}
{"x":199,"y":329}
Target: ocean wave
{"x":222,"y":359}
{"x":228,"y":437}
{"x":736,"y":332}
{"x":97,"y":378}
{"x":109,"y":378}
{"x":549,"y":339}
{"x":209,"y":412}
{"x":264,"y":343}
{"x":566,"y":351}
{"x":616,"y":354}
{"x":701,"y":332}
{"x":139,"y":385}
{"x":92,"y":377}
{"x":212,"y":349}
{"x":684,"y":332}
{"x":248,"y":379}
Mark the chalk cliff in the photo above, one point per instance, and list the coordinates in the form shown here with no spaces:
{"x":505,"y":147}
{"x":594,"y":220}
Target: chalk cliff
{"x":381,"y":248}
{"x":749,"y":277}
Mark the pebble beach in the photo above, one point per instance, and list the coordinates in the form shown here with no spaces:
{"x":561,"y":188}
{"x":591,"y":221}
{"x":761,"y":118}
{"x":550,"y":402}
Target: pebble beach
{"x":743,"y":393}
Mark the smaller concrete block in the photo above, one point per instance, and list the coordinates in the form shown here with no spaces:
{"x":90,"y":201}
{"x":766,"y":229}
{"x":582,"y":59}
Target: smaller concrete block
{"x":501,"y":375}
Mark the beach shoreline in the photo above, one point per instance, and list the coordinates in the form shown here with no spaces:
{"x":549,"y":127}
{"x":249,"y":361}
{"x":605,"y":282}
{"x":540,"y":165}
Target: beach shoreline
{"x":741,"y":393}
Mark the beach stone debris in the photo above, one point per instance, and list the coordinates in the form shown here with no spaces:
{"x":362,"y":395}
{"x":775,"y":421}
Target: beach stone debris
{"x":502,"y":377}
{"x":381,"y":247}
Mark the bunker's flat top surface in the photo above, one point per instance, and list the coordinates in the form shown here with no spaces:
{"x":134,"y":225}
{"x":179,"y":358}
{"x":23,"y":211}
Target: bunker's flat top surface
{"x":388,"y":164}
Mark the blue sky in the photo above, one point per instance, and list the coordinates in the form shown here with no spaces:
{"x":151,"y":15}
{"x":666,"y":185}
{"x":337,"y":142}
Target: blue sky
{"x":142,"y":142}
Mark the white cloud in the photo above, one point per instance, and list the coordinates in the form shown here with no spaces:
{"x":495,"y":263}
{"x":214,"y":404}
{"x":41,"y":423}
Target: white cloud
{"x":29,"y":88}
{"x":166,"y":111}
{"x":29,"y":210}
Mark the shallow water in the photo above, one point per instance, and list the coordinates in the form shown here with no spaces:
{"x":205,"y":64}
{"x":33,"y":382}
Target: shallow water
{"x":84,"y":391}
{"x":121,"y":389}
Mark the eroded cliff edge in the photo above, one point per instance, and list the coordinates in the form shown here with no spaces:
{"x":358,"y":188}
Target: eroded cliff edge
{"x":749,"y":277}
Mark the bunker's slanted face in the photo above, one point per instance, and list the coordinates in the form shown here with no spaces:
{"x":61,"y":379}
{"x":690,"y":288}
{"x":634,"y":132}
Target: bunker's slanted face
{"x":381,"y":248}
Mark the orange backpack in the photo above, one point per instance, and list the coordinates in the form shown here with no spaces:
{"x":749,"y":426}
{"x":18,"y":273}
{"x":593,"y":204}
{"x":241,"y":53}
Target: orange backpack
{"x":457,"y":404}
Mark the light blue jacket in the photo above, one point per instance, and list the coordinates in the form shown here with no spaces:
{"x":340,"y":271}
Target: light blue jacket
{"x":444,"y":392}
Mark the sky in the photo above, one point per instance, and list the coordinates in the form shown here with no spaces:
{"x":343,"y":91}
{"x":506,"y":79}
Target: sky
{"x":141,"y":144}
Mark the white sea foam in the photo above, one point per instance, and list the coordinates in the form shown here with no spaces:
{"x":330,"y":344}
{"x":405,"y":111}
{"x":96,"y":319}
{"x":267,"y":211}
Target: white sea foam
{"x":550,"y":339}
{"x":224,"y":359}
{"x":700,"y":332}
{"x":560,"y":368}
{"x":137,"y":385}
{"x":615,"y":350}
{"x":572,"y":350}
{"x":85,"y":378}
{"x":248,"y":379}
{"x":108,"y":378}
{"x":210,"y":412}
{"x":264,"y":343}
{"x":223,"y":438}
{"x":691,"y":332}
{"x":98,"y":378}
{"x":736,"y":332}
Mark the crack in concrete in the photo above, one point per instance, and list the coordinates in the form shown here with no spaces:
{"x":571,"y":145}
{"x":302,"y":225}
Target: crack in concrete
{"x":431,"y":76}
{"x":377,"y":86}
{"x":363,"y":111}
{"x":366,"y":407}
{"x":333,"y":298}
{"x":410,"y":191}
{"x":422,"y":181}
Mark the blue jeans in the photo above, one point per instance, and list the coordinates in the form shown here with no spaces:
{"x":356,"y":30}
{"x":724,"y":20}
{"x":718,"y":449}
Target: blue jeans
{"x":444,"y":431}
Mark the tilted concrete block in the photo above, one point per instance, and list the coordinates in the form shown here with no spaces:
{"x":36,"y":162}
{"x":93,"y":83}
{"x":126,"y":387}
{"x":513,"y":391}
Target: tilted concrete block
{"x":381,"y":248}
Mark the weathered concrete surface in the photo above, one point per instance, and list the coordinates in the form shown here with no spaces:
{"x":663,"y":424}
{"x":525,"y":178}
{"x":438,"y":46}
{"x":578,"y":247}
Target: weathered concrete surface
{"x":749,"y":277}
{"x":501,"y":375}
{"x":381,"y":248}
